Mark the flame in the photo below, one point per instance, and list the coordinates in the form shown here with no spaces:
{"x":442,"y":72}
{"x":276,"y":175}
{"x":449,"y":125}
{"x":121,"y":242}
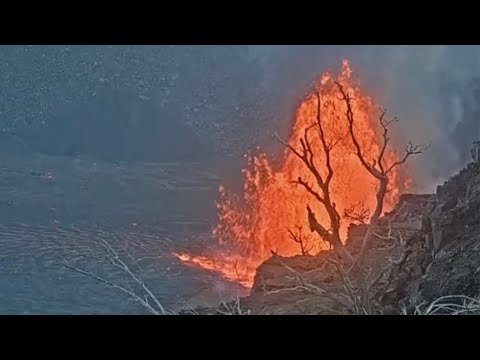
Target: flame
{"x":256,"y":223}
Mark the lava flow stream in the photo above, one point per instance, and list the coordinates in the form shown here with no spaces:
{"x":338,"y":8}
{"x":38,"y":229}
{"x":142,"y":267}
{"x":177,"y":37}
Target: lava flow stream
{"x":252,"y":225}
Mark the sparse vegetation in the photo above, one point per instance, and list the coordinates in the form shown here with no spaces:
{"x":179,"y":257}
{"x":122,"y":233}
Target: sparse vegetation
{"x":448,"y":305}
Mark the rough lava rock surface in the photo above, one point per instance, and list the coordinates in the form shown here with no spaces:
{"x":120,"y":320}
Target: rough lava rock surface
{"x":439,"y":256}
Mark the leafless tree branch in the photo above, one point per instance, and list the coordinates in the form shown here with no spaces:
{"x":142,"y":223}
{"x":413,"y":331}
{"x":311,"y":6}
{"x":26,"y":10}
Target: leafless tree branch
{"x":233,"y":308}
{"x":357,"y":213}
{"x":449,"y":305}
{"x":378,"y":169}
{"x":410,"y":150}
{"x":306,"y":154}
{"x":114,"y":259}
{"x":309,"y":188}
{"x":302,"y":284}
{"x":303,"y":240}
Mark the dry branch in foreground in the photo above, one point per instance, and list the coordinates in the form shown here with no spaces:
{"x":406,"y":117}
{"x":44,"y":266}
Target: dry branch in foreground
{"x":149,"y":301}
{"x":361,"y":290}
{"x":302,"y":284}
{"x":448,"y":305}
{"x":232,"y":308}
{"x":378,"y":168}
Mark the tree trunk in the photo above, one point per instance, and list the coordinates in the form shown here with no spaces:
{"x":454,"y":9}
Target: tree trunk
{"x":382,"y":190}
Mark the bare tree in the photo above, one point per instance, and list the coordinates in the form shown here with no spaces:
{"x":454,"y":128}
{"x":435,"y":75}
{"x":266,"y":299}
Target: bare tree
{"x":359,"y":287}
{"x":321,"y":189}
{"x":357,"y":213}
{"x":378,"y":168}
{"x":303,"y":240}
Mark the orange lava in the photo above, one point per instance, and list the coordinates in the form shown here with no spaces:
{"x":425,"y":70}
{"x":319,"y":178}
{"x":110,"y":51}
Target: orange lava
{"x":255,"y":223}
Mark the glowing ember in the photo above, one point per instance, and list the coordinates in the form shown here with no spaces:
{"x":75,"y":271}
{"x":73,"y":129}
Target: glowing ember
{"x":251,"y":226}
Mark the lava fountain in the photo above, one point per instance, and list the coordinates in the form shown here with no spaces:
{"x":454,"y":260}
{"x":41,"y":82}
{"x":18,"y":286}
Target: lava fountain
{"x":252,"y":225}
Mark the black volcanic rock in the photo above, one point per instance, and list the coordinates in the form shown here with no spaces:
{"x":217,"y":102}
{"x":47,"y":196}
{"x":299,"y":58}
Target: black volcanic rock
{"x":454,"y":264}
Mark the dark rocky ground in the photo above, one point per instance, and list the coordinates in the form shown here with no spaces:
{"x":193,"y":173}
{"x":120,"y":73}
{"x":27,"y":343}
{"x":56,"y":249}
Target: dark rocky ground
{"x":439,"y":257}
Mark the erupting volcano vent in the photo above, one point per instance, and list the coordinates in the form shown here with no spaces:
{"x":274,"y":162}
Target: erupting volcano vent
{"x":252,"y":225}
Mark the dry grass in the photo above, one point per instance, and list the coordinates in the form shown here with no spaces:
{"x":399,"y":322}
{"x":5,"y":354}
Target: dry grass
{"x":232,"y":308}
{"x":448,"y":305}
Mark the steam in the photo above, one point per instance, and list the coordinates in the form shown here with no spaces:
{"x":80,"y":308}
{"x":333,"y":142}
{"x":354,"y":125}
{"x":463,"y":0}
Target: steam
{"x":430,"y":88}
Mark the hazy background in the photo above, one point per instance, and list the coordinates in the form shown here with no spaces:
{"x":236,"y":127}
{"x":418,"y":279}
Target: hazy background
{"x":189,"y":102}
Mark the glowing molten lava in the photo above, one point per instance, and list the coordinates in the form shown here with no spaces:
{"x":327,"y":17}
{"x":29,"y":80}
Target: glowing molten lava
{"x":253,"y":225}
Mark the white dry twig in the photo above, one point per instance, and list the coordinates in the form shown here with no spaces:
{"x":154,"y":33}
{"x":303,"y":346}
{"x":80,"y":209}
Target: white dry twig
{"x":232,"y":308}
{"x":449,"y":305}
{"x":114,"y":259}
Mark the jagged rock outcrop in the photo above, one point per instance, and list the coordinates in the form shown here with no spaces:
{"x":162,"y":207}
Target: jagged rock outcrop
{"x":447,"y":247}
{"x":442,"y":257}
{"x":428,"y":247}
